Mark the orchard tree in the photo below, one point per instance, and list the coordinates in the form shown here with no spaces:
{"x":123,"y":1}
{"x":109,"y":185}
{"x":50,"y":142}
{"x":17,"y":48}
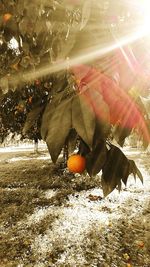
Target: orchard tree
{"x":18,"y":106}
{"x":70,"y":75}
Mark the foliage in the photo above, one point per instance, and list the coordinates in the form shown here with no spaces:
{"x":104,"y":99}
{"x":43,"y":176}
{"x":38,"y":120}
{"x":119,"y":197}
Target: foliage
{"x":21,"y":111}
{"x":116,"y":169}
{"x":82,"y":106}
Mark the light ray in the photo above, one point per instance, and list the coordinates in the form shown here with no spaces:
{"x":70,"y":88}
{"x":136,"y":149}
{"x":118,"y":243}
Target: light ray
{"x":91,"y":55}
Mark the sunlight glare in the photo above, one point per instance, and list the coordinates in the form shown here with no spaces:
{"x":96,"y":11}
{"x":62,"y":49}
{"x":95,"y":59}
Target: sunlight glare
{"x":95,"y":52}
{"x":146,"y":14}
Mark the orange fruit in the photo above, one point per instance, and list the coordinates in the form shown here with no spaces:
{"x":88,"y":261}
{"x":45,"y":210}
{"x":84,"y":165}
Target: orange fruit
{"x":30,"y":99}
{"x":7,"y":17}
{"x":37,"y":82}
{"x":76,"y":164}
{"x":15,"y":66}
{"x":141,"y":244}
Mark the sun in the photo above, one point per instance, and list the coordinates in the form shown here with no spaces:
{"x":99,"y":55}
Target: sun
{"x":144,"y":11}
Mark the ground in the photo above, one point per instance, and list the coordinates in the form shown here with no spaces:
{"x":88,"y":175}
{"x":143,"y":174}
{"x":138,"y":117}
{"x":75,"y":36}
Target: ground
{"x":51,"y":218}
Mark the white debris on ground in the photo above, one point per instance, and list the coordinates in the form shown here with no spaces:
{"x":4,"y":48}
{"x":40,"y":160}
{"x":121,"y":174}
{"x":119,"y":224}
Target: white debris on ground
{"x":39,"y":215}
{"x":28,"y":158}
{"x":80,"y":220}
{"x":78,"y":217}
{"x":50,"y":193}
{"x":22,"y":147}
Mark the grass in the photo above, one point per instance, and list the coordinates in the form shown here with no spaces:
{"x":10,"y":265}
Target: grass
{"x":22,"y":188}
{"x":23,"y":185}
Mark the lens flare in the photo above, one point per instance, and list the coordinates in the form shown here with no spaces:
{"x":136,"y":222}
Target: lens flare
{"x":134,"y":32}
{"x":145,"y":14}
{"x":112,"y":105}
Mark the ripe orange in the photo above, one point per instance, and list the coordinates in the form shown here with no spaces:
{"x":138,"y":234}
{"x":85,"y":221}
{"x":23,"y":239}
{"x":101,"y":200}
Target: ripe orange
{"x":30,"y":99}
{"x":37,"y":82}
{"x":141,"y":244}
{"x":76,"y":163}
{"x":7,"y":17}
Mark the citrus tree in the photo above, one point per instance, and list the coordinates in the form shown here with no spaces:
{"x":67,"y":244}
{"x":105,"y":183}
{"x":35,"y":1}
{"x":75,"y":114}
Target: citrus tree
{"x":55,"y":79}
{"x":18,"y":106}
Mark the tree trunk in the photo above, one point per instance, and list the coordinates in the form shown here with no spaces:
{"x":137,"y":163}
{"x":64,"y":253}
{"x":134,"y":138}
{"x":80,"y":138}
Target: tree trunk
{"x":65,"y":155}
{"x":35,"y":145}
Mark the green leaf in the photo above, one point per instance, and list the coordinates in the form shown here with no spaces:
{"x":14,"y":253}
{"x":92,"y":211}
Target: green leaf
{"x":120,"y":134}
{"x":72,"y":140}
{"x":101,"y":110}
{"x":49,"y":111}
{"x":102,"y":131}
{"x":134,"y":170}
{"x":96,"y":159}
{"x":83,"y":119}
{"x":115,"y":169}
{"x":59,"y":125}
{"x":31,"y":118}
{"x":83,"y":148}
{"x":108,"y":187}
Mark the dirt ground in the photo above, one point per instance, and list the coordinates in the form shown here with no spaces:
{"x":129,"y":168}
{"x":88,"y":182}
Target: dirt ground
{"x":50,"y":218}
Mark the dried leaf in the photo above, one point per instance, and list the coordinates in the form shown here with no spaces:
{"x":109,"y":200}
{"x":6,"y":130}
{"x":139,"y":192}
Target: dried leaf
{"x":140,"y":244}
{"x":94,"y":198}
{"x":83,"y":119}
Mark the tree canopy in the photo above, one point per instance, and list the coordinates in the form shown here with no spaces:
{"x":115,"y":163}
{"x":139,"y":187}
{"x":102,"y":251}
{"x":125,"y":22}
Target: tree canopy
{"x":71,"y":74}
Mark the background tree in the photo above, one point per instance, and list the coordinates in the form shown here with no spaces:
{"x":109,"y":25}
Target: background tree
{"x":62,"y":80}
{"x":20,"y":105}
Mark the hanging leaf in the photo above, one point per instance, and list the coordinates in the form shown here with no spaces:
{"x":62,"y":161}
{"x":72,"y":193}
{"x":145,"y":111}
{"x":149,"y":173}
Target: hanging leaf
{"x":31,"y":118}
{"x":102,"y":131}
{"x":120,"y":134}
{"x":72,"y":140}
{"x":122,"y":108}
{"x":134,"y":170}
{"x":49,"y":110}
{"x":94,"y":98}
{"x":96,"y":159}
{"x":115,"y":168}
{"x":59,"y":125}
{"x":83,"y":148}
{"x":83,"y":119}
{"x":86,"y":12}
